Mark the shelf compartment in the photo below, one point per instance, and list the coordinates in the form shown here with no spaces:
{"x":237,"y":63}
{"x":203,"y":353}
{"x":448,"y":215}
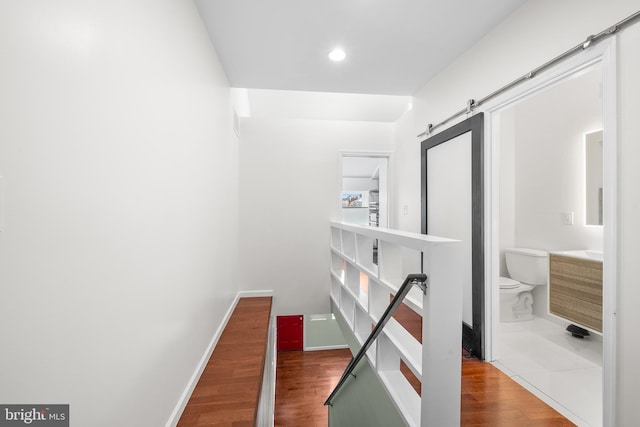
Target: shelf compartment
{"x":379,"y":297}
{"x":406,"y":345}
{"x":363,"y":327}
{"x":352,"y":278}
{"x":396,"y":262}
{"x":403,"y":395}
{"x":360,"y":294}
{"x":347,"y":306}
{"x":349,"y":244}
{"x":336,"y":287}
{"x":364,"y":252}
{"x":336,"y":239}
{"x":337,"y":264}
{"x":401,"y":391}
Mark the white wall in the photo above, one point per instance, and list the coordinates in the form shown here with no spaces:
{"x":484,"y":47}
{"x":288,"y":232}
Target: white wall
{"x":119,"y":247}
{"x":406,"y":212}
{"x":289,"y":190}
{"x":535,"y":33}
{"x":549,"y":164}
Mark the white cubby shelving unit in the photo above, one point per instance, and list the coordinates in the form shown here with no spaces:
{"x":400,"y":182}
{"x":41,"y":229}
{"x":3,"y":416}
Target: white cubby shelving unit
{"x":360,"y":290}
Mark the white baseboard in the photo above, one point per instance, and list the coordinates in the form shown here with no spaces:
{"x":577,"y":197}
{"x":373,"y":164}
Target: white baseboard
{"x":328,"y":347}
{"x":252,"y":294}
{"x":186,"y":394}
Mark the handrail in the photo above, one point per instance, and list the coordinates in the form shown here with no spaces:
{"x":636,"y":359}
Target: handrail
{"x":411,"y":279}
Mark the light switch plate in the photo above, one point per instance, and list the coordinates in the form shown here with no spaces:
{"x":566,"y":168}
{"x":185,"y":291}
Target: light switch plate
{"x":567,"y":218}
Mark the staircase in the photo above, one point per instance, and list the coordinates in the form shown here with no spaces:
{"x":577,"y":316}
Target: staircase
{"x":228,"y":392}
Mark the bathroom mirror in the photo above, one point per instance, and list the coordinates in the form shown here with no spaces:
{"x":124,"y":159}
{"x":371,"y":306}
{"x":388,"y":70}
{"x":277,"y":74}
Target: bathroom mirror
{"x":593,"y":177}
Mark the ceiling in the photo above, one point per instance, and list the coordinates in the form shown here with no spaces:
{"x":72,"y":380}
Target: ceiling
{"x":393,"y":47}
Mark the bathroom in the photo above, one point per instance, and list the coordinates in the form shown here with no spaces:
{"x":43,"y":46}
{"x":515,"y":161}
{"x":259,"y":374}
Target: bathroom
{"x":543,"y":175}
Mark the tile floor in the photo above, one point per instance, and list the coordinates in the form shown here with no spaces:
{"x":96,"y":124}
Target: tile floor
{"x":563,"y":371}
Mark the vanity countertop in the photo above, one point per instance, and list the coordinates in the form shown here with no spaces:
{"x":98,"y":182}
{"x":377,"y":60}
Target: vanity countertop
{"x":582,"y":254}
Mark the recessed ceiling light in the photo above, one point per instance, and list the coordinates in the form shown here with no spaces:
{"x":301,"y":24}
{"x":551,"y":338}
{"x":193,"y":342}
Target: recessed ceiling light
{"x":337,"y":55}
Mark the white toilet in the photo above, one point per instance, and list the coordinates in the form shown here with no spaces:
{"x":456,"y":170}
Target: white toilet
{"x":527,"y":268}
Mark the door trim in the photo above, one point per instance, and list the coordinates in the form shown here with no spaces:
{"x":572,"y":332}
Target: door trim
{"x":604,"y":52}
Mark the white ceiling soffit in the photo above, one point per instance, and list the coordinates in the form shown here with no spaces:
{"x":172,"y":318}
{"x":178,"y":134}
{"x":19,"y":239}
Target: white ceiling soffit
{"x":279,"y":104}
{"x":393,"y":47}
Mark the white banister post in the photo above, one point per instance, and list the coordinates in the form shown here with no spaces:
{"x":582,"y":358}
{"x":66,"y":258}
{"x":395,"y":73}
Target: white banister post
{"x":442,"y":337}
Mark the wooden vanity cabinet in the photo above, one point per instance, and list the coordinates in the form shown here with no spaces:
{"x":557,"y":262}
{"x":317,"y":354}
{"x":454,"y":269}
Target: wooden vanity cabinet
{"x":575,"y":290}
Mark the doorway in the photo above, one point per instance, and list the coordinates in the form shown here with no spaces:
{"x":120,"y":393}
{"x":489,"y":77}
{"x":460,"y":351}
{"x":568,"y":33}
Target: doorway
{"x":364,"y":192}
{"x":536,"y":180}
{"x":290,"y":333}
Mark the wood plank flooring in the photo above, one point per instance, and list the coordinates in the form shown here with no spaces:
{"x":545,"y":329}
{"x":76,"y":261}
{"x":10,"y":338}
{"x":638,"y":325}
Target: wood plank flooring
{"x":489,"y":398}
{"x":492,"y":399}
{"x":304,"y":380}
{"x":227,"y":392}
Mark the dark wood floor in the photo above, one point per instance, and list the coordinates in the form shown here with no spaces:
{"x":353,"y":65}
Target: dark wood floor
{"x":227,"y":392}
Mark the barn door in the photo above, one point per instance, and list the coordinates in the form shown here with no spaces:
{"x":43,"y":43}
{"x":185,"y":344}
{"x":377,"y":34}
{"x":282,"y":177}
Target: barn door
{"x":453,"y":207}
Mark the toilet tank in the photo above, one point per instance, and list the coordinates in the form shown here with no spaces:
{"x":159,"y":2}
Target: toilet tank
{"x":530,"y":266}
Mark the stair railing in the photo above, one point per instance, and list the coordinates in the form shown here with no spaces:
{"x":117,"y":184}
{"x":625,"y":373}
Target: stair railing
{"x":410,"y":281}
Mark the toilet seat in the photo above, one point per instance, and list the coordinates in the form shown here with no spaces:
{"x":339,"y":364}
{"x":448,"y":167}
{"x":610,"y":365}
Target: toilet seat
{"x":509,"y":286}
{"x":506,"y":283}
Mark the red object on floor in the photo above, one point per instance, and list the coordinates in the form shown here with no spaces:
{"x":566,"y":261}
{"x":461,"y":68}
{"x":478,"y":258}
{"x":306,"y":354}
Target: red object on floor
{"x":289,"y":333}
